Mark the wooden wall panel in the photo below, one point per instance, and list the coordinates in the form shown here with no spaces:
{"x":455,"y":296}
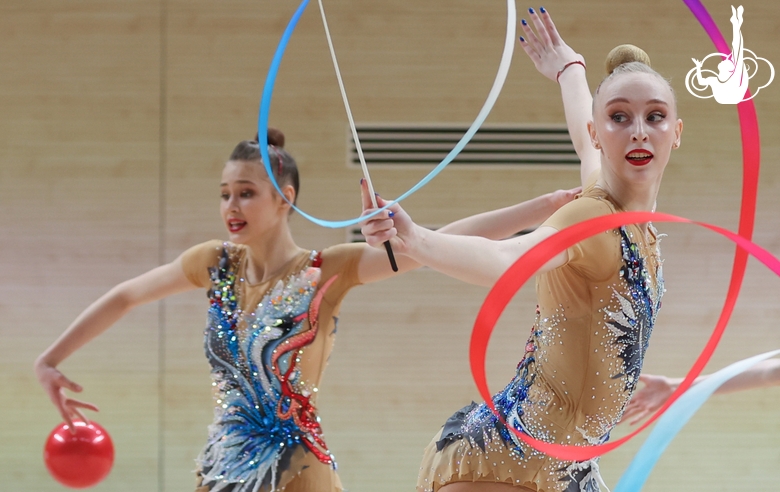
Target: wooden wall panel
{"x":81,"y":162}
{"x":79,"y":91}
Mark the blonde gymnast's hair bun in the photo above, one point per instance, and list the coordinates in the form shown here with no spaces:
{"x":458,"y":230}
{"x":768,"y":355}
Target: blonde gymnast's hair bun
{"x":627,"y":59}
{"x":625,"y":53}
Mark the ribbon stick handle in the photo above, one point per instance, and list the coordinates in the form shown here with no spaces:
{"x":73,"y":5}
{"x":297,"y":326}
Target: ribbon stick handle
{"x":391,"y":256}
{"x":388,"y":247}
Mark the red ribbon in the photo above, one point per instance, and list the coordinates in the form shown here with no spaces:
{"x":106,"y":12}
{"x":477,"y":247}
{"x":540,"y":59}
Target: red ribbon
{"x":522,"y":270}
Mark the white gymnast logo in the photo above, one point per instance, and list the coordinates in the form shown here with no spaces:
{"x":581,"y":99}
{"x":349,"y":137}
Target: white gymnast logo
{"x":730,"y":84}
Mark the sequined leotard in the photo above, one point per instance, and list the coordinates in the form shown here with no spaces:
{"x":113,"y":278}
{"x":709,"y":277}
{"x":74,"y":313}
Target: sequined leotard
{"x":268,"y":345}
{"x":581,"y":364}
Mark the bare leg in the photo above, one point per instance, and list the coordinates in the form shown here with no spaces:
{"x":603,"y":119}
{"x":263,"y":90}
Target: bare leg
{"x":482,"y":487}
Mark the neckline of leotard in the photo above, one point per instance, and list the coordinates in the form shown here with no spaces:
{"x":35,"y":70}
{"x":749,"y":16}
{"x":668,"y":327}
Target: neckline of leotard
{"x":304,"y":259}
{"x":648,"y":240}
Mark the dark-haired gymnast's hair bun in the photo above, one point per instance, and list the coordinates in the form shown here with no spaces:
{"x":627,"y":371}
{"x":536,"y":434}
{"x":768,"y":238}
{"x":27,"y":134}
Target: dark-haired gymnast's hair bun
{"x":625,"y":53}
{"x":275,"y":138}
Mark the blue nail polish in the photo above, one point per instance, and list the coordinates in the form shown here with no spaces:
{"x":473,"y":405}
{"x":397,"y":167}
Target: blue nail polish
{"x":391,"y":214}
{"x":530,"y":11}
{"x":522,"y":39}
{"x":361,"y":180}
{"x":543,"y":10}
{"x":524,"y":22}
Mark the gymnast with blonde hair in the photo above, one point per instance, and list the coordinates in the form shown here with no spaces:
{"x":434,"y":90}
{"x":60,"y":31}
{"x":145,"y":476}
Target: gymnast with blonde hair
{"x":597,"y":301}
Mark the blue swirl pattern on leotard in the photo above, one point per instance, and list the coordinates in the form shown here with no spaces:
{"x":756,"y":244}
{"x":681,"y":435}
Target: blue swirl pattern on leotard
{"x":637,"y":302}
{"x":251,"y":441}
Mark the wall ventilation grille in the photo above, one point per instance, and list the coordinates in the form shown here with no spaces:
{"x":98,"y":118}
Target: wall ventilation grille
{"x":520,"y":145}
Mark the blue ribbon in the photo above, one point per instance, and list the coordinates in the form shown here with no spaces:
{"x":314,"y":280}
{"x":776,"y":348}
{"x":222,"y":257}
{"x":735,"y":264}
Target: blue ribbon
{"x":675,"y":418}
{"x":265,"y":106}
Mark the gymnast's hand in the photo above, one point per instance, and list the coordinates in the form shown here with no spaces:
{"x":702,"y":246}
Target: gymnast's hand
{"x":650,"y":398}
{"x":559,"y":198}
{"x":546,"y":49}
{"x":393,"y":224}
{"x":55,"y":383}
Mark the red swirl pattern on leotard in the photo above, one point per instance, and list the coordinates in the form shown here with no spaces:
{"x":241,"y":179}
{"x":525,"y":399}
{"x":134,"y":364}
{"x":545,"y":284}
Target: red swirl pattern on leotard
{"x":299,"y":406}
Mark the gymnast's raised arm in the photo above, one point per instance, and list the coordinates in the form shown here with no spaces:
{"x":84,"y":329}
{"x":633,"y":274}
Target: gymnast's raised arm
{"x":557,"y":61}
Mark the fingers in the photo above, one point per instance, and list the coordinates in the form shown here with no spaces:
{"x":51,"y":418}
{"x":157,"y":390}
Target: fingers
{"x":64,"y":382}
{"x":71,"y":410}
{"x":380,"y":202}
{"x":379,"y":238}
{"x":80,"y":415}
{"x":384,"y":214}
{"x":58,"y":398}
{"x":365,"y":195}
{"x":562,"y":197}
{"x":377,"y":231}
{"x":575,"y":191}
{"x":640,"y":417}
{"x":374,"y":226}
{"x":532,"y":46}
{"x":369,"y":204}
{"x":629,"y":411}
{"x":529,"y":50}
{"x":65,"y":414}
{"x":380,"y":227}
{"x":544,"y":36}
{"x":81,"y":404}
{"x":391,"y":210}
{"x":636,"y":410}
{"x":549,"y":26}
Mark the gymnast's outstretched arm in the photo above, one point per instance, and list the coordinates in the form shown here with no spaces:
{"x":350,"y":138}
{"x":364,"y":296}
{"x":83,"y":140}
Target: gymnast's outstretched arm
{"x":153,"y":285}
{"x":475,"y":260}
{"x":495,"y":224}
{"x":658,"y":389}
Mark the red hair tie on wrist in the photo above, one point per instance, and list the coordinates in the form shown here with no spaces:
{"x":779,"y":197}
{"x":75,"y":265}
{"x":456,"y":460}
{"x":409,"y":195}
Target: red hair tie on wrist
{"x":576,"y":62}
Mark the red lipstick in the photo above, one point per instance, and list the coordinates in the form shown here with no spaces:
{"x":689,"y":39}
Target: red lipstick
{"x":639,"y":157}
{"x":235,"y":225}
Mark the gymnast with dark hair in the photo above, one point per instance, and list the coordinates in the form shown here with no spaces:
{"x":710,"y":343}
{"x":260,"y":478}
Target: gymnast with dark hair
{"x":270,"y":326}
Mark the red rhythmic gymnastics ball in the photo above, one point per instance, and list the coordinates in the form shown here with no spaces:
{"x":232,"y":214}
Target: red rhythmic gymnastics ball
{"x":81,"y":458}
